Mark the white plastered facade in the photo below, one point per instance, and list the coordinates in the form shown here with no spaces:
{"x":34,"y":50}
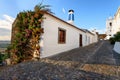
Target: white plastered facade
{"x":113,"y":25}
{"x":49,"y":39}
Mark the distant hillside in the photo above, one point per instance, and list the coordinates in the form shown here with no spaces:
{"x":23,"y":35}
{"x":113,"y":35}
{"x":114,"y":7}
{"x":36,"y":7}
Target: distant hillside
{"x":4,"y":44}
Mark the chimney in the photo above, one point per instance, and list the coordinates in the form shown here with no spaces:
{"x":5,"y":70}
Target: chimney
{"x":71,"y":16}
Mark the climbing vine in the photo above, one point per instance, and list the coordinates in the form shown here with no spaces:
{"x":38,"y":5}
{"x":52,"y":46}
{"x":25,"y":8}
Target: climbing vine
{"x":26,"y":33}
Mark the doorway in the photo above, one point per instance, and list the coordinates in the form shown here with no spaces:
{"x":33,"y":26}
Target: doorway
{"x":80,"y":40}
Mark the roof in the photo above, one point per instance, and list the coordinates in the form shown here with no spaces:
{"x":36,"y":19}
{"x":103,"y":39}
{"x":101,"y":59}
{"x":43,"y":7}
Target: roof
{"x":102,"y":36}
{"x":88,"y":31}
{"x":69,"y":23}
{"x":71,"y":10}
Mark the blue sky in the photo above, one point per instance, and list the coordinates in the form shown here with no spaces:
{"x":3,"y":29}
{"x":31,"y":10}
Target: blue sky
{"x":89,"y":14}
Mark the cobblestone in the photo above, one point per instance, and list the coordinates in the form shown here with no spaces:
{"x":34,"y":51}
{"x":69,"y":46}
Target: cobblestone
{"x":94,"y":62}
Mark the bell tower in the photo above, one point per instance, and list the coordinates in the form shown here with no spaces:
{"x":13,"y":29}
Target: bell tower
{"x":71,"y":16}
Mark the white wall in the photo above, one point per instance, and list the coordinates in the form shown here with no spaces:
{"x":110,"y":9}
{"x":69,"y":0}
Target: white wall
{"x":89,"y":38}
{"x":117,"y":47}
{"x":95,"y":37}
{"x":49,"y":41}
{"x":117,"y":22}
{"x":111,"y":30}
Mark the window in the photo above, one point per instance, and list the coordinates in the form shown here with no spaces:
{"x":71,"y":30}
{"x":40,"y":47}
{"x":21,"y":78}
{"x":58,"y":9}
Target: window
{"x":73,"y":17}
{"x":61,"y":36}
{"x":110,"y":24}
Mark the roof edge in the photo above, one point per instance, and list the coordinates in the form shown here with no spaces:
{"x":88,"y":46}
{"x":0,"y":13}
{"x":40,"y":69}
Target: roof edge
{"x":67,"y":22}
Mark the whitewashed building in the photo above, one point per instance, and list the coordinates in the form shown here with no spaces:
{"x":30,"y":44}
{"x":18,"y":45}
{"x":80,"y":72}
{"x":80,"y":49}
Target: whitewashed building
{"x":113,"y":24}
{"x":60,"y":35}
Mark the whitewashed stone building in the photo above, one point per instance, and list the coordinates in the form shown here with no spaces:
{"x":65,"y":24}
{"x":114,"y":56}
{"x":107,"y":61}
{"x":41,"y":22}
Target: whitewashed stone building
{"x":113,"y":24}
{"x":60,"y":35}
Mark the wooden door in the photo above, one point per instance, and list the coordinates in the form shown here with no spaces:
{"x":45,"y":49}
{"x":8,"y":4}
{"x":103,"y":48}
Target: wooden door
{"x":80,"y":40}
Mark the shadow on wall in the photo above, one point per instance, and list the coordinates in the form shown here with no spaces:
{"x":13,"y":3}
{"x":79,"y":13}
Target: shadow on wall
{"x":116,"y":54}
{"x":117,"y":47}
{"x":41,"y":45}
{"x":117,"y":58}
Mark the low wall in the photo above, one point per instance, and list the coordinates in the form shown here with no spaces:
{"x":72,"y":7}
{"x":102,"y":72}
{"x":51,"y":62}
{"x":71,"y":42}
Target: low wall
{"x":117,"y":47}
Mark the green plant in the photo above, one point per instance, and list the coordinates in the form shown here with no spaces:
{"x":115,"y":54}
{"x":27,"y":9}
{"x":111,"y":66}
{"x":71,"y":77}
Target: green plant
{"x":117,"y":36}
{"x":4,"y":56}
{"x":1,"y":58}
{"x":26,"y":33}
{"x":112,"y":40}
{"x":42,"y":7}
{"x":23,"y":35}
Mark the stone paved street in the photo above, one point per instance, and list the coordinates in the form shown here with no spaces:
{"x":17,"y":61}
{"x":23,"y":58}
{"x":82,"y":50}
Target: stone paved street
{"x":104,"y":61}
{"x":104,"y":55}
{"x":80,"y":55}
{"x":94,"y":62}
{"x":99,"y":58}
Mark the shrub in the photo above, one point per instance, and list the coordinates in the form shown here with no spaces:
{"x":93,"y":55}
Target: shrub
{"x":115,"y":38}
{"x":3,"y":57}
{"x":112,"y":40}
{"x":26,"y":32}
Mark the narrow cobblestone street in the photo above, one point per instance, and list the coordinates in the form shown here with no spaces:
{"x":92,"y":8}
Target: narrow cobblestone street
{"x":98,"y":53}
{"x":104,"y":55}
{"x":94,"y":62}
{"x":99,"y":58}
{"x":104,"y":61}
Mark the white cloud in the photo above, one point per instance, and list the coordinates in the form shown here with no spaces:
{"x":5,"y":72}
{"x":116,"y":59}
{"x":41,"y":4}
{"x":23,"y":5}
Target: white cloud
{"x":100,"y":31}
{"x":63,"y":10}
{"x":9,"y":18}
{"x":6,"y":22}
{"x":5,"y":27}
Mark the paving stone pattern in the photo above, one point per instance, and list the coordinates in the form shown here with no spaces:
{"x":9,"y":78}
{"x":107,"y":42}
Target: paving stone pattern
{"x":94,"y":62}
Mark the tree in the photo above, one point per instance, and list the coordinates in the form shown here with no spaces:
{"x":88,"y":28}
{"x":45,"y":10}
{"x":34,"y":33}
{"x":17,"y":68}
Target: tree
{"x":41,"y":7}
